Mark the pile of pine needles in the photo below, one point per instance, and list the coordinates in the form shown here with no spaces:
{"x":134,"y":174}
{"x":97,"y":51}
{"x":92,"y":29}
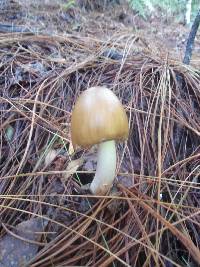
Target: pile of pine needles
{"x":152,"y":218}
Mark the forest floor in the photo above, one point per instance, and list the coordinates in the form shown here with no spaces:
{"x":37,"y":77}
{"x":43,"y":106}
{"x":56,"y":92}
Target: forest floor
{"x":50,"y":52}
{"x":168,"y":34}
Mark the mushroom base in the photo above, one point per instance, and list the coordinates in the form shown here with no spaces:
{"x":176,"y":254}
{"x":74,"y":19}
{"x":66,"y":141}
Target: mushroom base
{"x":106,"y":166}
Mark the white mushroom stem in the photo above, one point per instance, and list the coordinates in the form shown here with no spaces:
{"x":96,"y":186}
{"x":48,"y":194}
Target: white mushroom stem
{"x":106,"y":166}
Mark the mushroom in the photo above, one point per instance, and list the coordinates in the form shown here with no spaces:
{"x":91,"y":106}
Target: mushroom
{"x":99,"y":118}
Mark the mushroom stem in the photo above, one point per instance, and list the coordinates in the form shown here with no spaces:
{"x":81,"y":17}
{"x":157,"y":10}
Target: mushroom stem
{"x":106,"y":166}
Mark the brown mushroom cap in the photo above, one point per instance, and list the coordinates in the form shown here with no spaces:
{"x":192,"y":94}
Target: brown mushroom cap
{"x":98,"y":116}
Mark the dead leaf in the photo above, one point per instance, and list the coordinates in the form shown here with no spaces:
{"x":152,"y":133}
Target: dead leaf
{"x":70,"y":149}
{"x":9,"y":132}
{"x":90,"y":161}
{"x":50,"y":156}
{"x":72,"y":168}
{"x":59,"y":163}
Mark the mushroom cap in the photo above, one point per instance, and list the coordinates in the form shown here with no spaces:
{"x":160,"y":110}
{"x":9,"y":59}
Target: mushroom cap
{"x":98,"y":116}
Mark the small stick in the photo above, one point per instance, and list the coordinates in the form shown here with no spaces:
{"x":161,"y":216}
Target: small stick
{"x":190,"y":40}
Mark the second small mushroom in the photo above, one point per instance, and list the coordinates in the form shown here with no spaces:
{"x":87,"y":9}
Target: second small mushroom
{"x":99,"y":118}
